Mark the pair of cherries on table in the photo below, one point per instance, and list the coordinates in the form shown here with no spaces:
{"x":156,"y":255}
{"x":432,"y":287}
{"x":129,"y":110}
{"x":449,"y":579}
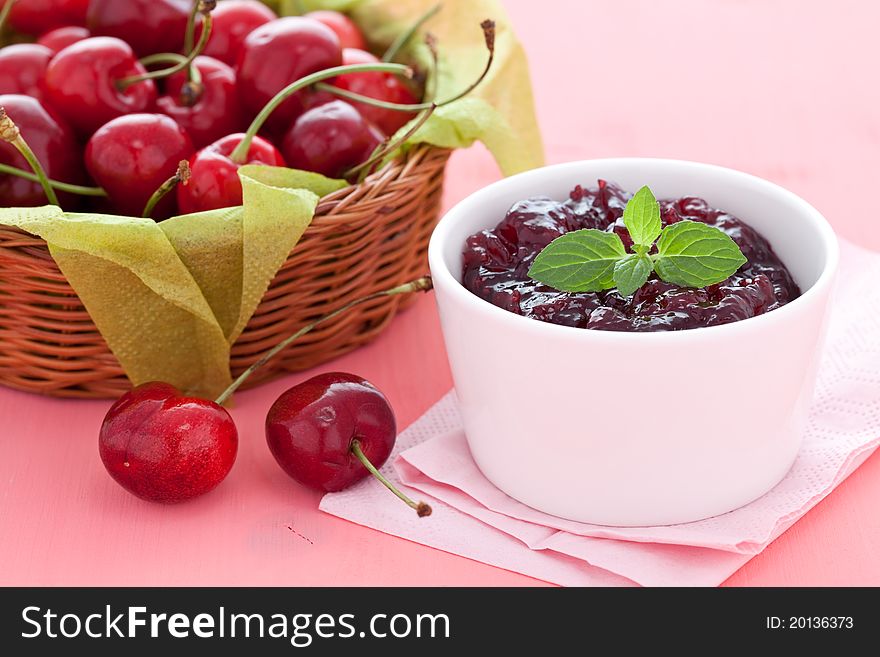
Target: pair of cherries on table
{"x":83,"y":82}
{"x":327,"y":433}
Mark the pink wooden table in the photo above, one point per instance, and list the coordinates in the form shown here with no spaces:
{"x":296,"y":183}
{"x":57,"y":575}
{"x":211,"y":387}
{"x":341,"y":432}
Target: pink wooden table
{"x":786,"y":89}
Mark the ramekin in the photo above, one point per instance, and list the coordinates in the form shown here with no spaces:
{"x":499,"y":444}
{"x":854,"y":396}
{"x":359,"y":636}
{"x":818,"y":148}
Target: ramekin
{"x":636,"y":429}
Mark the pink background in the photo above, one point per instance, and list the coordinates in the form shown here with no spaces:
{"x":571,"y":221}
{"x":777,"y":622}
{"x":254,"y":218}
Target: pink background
{"x":785,"y":89}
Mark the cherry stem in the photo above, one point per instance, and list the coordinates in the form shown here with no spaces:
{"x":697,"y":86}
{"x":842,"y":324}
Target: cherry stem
{"x":404,"y":37}
{"x":56,"y":184}
{"x":420,"y":284}
{"x":190,"y":35}
{"x":9,"y":132}
{"x":239,"y":155}
{"x":431,"y":81}
{"x":180,"y":176}
{"x":4,"y":12}
{"x":192,"y":89}
{"x":489,"y":33}
{"x":386,"y":148}
{"x":172,"y":57}
{"x":125,"y":83}
{"x":389,"y":147}
{"x":420,"y":507}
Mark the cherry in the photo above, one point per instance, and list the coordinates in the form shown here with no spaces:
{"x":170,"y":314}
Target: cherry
{"x":131,"y":156}
{"x":381,"y":86}
{"x":53,"y":144}
{"x":214,"y":181}
{"x":61,"y":37}
{"x":82,"y":81}
{"x":22,"y":67}
{"x":333,"y":430}
{"x":350,"y":35}
{"x":150,"y":26}
{"x":207,"y":110}
{"x":310,"y":428}
{"x":279,"y":53}
{"x":330,"y":140}
{"x":165,"y":447}
{"x":39,"y":16}
{"x":233,"y":21}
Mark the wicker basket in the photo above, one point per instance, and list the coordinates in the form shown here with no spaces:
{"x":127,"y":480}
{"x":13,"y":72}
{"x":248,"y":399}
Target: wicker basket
{"x":363,"y":239}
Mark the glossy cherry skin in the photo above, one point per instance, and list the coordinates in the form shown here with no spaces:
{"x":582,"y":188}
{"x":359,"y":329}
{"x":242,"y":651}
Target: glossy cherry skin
{"x":311,"y":426}
{"x":381,"y":86}
{"x":131,"y":156}
{"x":38,"y":16}
{"x":149,"y":26}
{"x":330,"y":140}
{"x":233,"y":20}
{"x":216,"y":110}
{"x":61,"y":37}
{"x":350,"y":35}
{"x":165,"y":447}
{"x":81,"y":81}
{"x":53,"y":143}
{"x":22,"y":67}
{"x":278,"y":53}
{"x":214,"y":182}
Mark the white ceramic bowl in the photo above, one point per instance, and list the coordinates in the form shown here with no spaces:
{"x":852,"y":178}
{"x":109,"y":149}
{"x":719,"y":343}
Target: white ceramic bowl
{"x":635,"y":429}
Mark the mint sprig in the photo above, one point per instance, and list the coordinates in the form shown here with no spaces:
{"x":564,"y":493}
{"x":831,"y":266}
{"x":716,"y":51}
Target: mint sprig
{"x":688,"y":253}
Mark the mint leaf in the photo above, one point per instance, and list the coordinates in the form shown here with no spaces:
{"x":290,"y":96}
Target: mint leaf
{"x":579,"y":261}
{"x":642,"y":217}
{"x":693,"y":254}
{"x":631,"y":273}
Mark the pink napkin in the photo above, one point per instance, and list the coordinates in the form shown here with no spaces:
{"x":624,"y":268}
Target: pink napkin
{"x":474,"y":519}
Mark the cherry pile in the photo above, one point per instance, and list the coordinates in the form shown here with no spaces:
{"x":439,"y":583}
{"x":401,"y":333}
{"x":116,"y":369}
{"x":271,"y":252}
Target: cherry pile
{"x":327,"y":433}
{"x":113,"y":95}
{"x":497,"y":261}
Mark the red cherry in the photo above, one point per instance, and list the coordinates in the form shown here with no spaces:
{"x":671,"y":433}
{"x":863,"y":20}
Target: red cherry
{"x":38,"y":16}
{"x":350,"y":35}
{"x":214,"y":181}
{"x":278,"y":53}
{"x":310,"y":429}
{"x":53,"y":144}
{"x":81,"y":81}
{"x":131,"y":156}
{"x":233,"y":21}
{"x":215,"y":110}
{"x":381,"y":86}
{"x":22,"y":67}
{"x":149,"y":26}
{"x":61,"y":37}
{"x":330,"y":139}
{"x":165,"y":447}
